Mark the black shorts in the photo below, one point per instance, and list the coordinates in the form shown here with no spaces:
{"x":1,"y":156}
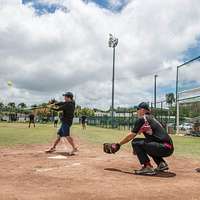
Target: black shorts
{"x":64,"y":130}
{"x":142,"y":148}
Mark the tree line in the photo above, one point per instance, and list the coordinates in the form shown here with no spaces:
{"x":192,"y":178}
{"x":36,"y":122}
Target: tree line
{"x":188,"y":109}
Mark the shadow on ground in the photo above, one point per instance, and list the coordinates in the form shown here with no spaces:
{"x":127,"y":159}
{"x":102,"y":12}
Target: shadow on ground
{"x":65,"y":153}
{"x":160,"y":174}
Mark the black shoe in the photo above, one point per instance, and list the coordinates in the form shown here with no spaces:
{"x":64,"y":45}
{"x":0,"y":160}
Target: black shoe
{"x":145,"y":171}
{"x":163,"y":166}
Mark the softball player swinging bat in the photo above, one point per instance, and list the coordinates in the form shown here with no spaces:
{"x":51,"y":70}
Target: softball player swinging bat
{"x":67,"y":107}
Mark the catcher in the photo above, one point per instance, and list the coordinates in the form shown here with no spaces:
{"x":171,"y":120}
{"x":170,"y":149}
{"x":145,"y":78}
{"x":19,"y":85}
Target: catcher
{"x":156,"y":144}
{"x":67,"y":109}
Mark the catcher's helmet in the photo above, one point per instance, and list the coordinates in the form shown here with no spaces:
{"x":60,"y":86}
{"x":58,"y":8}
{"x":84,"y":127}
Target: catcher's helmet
{"x":143,"y":105}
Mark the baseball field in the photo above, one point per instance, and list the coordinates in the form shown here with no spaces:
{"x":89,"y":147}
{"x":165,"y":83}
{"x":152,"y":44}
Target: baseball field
{"x":27,"y":173}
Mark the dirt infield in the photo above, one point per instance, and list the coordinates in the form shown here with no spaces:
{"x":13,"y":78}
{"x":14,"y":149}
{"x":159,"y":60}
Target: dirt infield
{"x":26,"y":173}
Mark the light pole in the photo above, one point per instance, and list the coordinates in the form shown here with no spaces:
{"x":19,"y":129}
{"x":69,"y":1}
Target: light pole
{"x":112,"y":43}
{"x":155,"y":92}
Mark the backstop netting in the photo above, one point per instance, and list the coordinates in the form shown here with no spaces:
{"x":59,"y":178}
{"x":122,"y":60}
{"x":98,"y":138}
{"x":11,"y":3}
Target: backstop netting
{"x":188,"y":96}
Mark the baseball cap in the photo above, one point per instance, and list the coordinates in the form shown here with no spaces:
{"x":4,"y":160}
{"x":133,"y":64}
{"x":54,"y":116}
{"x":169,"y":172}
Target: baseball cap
{"x":143,"y":105}
{"x":68,"y":94}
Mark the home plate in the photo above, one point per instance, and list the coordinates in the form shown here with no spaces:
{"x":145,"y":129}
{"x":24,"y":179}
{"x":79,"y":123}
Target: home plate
{"x":58,"y":157}
{"x":73,"y":164}
{"x":44,"y":170}
{"x":76,"y":164}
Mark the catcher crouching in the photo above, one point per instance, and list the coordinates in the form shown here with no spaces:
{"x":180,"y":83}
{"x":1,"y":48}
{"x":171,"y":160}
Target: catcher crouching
{"x":156,"y":144}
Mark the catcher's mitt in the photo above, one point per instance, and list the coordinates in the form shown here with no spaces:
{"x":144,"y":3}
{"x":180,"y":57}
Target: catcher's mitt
{"x":111,"y":147}
{"x":198,"y":169}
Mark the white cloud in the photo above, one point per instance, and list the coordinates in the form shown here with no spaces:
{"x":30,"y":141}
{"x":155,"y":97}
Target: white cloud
{"x":48,"y":54}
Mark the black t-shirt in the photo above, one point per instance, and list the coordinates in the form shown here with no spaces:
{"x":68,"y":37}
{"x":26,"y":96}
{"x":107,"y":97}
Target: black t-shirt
{"x":31,"y":117}
{"x":83,"y":119}
{"x":68,"y":111}
{"x":155,"y":132}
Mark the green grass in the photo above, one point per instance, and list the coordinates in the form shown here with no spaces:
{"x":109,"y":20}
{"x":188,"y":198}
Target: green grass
{"x":184,"y":146}
{"x":99,"y":135}
{"x":12,"y":134}
{"x":18,"y":133}
{"x":187,"y":146}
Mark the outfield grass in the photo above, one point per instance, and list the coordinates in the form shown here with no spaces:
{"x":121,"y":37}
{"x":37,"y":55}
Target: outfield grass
{"x":18,"y":133}
{"x":184,"y":145}
{"x":12,"y":134}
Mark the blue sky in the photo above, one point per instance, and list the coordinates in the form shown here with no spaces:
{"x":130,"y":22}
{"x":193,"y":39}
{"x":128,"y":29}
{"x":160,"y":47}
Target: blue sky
{"x":192,"y":52}
{"x":42,"y":8}
{"x":106,"y":4}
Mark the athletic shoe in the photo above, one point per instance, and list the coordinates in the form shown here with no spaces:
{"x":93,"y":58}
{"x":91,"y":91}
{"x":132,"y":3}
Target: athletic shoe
{"x":74,"y":151}
{"x":145,"y":171}
{"x":162,"y":167}
{"x":50,"y":150}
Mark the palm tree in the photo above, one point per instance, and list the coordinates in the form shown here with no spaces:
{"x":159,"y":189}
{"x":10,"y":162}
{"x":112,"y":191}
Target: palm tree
{"x":1,"y":105}
{"x":11,"y":106}
{"x":21,"y":105}
{"x":170,"y":99}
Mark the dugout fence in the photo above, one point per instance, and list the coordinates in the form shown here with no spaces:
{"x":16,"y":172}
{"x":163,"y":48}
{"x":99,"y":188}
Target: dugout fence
{"x":121,"y":121}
